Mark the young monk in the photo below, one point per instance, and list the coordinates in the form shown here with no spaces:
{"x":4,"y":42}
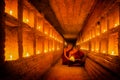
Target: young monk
{"x":65,"y":57}
{"x":76,"y":57}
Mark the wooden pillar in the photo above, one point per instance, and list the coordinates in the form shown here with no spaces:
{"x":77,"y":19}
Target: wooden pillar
{"x":119,"y":34}
{"x":34,"y":33}
{"x":20,"y":31}
{"x":2,"y":31}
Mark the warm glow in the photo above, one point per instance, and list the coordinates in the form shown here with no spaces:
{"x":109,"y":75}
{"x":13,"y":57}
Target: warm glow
{"x":58,"y":48}
{"x":115,"y":25}
{"x":49,"y":49}
{"x":103,"y":51}
{"x":27,"y":20}
{"x":39,"y":27}
{"x":38,"y":52}
{"x":45,"y":51}
{"x":53,"y":49}
{"x":104,"y":30}
{"x":112,"y":53}
{"x":96,"y":49}
{"x":11,"y":12}
{"x":27,"y":54}
{"x":72,"y":58}
{"x":92,"y":49}
{"x":11,"y":57}
{"x":46,"y":32}
{"x":98,"y":34}
{"x":50,"y":35}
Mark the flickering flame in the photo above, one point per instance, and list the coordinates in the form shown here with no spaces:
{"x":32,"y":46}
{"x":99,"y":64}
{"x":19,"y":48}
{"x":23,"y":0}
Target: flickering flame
{"x":98,"y":34}
{"x":45,"y":51}
{"x":38,"y":52}
{"x":11,"y":57}
{"x":27,"y":54}
{"x":104,"y":51}
{"x":27,"y":20}
{"x":39,"y":27}
{"x":11,"y":12}
{"x":58,"y":48}
{"x":50,"y":35}
{"x":46,"y":32}
{"x":97,"y":49}
{"x":53,"y":49}
{"x":104,"y":30}
{"x":112,"y":53}
{"x":72,"y":58}
{"x":92,"y":49}
{"x":115,"y":25}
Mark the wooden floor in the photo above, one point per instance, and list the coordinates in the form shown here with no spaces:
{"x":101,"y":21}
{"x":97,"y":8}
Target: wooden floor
{"x":64,"y":72}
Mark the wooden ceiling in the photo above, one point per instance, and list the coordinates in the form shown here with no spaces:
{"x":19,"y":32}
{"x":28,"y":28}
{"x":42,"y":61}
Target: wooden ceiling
{"x":67,"y":16}
{"x":71,"y":14}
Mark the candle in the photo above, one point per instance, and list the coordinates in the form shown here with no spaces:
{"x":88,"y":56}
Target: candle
{"x":27,"y":20}
{"x":39,"y":27}
{"x":45,"y":51}
{"x":11,"y":57}
{"x":46,"y":32}
{"x":112,"y":53}
{"x":38,"y":52}
{"x":27,"y":54}
{"x":104,"y":30}
{"x":115,"y":25}
{"x":53,"y":49}
{"x":97,"y":49}
{"x":11,"y":12}
{"x":104,"y":51}
{"x":98,"y":34}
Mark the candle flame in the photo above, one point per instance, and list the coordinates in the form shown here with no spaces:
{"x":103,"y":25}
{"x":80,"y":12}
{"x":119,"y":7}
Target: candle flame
{"x":27,"y":20}
{"x":11,"y":57}
{"x":45,"y":51}
{"x":112,"y":53}
{"x":115,"y":25}
{"x":11,"y":12}
{"x":27,"y":54}
{"x":104,"y":51}
{"x":38,"y":52}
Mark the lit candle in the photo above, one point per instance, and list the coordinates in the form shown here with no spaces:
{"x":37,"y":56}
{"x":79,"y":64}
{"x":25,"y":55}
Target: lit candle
{"x":27,"y":20}
{"x":112,"y":53}
{"x":58,"y":48}
{"x":45,"y":51}
{"x":104,"y":30}
{"x":53,"y":49}
{"x":11,"y":12}
{"x":104,"y":51}
{"x":46,"y":32}
{"x":92,"y":49}
{"x":98,"y":34}
{"x":27,"y":54}
{"x":115,"y":25}
{"x":11,"y":57}
{"x":39,"y":27}
{"x":50,"y":35}
{"x":38,"y":52}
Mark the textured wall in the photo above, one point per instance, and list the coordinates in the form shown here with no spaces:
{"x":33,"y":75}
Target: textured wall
{"x":30,"y":68}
